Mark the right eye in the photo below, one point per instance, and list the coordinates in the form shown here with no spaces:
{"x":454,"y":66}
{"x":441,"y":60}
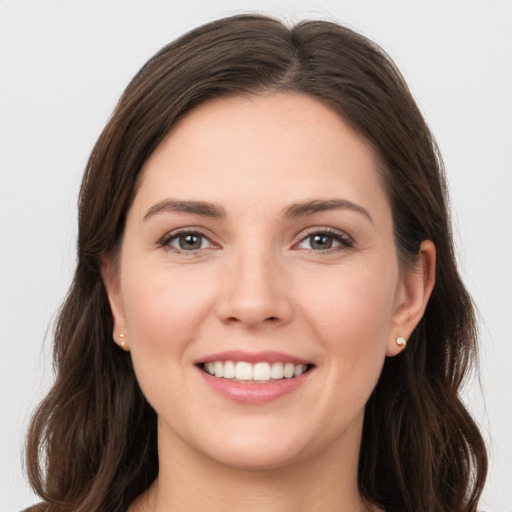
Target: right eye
{"x":187,"y":241}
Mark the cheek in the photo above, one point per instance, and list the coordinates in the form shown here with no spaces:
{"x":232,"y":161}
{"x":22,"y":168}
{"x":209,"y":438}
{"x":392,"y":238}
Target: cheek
{"x":164,"y":308}
{"x":348,"y":315}
{"x":356,"y":301}
{"x":163,"y":303}
{"x":351,"y":313}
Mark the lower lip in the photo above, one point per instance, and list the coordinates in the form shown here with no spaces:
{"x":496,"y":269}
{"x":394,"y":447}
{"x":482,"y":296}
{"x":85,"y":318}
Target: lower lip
{"x":254,"y":394}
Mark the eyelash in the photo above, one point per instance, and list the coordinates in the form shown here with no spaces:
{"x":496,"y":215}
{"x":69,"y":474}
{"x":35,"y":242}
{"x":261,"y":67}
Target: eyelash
{"x":344,"y":241}
{"x":165,"y":242}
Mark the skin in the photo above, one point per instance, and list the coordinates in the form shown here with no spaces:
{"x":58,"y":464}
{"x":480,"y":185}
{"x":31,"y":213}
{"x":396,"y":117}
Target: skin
{"x":258,"y":282}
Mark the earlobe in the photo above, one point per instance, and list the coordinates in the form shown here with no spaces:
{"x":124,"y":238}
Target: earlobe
{"x":416,"y":288}
{"x":110,"y":276}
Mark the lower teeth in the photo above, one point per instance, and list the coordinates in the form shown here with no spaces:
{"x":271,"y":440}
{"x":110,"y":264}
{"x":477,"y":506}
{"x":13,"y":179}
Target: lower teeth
{"x":254,"y":381}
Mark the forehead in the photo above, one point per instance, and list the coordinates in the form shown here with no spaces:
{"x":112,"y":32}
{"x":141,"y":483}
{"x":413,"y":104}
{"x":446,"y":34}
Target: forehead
{"x":269,"y":148}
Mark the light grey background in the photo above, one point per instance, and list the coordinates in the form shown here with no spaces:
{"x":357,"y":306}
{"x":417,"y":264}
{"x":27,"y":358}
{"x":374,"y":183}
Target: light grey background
{"x":63,"y":64}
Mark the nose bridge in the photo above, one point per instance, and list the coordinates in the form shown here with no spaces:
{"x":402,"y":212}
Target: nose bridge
{"x":255,"y":289}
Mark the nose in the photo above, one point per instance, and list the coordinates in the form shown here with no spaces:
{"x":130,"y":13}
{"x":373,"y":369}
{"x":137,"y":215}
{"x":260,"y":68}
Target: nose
{"x":254,"y":292}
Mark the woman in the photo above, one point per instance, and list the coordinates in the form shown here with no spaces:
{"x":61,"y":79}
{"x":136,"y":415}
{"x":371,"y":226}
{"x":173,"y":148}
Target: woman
{"x":263,"y":234}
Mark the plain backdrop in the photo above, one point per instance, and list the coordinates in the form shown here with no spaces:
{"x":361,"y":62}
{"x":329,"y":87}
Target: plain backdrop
{"x":63,"y":64}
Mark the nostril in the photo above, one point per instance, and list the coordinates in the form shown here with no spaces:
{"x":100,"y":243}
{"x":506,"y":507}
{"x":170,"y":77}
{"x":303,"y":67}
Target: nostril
{"x":268,"y":319}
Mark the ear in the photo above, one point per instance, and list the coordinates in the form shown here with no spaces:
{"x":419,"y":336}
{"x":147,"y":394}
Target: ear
{"x":110,"y":275}
{"x":412,"y":297}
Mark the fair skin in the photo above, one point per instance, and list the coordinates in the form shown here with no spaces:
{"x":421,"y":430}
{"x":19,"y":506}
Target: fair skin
{"x":260,"y":232}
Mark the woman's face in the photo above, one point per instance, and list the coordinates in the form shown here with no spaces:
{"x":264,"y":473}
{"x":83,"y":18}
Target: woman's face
{"x":259,"y":244}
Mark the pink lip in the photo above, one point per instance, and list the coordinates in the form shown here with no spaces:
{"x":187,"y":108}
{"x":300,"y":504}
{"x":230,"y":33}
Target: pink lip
{"x":253,"y":394}
{"x":252,"y":357}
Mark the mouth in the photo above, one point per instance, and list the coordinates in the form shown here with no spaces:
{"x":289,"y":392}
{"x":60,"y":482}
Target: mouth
{"x":261,"y":372}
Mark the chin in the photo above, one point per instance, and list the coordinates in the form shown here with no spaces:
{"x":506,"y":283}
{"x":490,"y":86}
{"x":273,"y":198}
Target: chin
{"x":256,"y":456}
{"x":264,"y":445}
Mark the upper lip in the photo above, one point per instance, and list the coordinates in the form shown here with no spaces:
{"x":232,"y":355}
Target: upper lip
{"x":269,"y":356}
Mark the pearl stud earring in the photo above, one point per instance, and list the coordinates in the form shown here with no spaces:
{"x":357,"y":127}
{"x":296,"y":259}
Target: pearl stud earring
{"x":401,"y":342}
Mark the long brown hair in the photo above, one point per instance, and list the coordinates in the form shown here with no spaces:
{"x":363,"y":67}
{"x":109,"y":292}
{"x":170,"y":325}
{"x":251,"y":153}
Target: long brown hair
{"x":92,"y":442}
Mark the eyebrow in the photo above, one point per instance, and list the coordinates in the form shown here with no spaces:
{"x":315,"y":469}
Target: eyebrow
{"x":306,"y":208}
{"x":302,"y":209}
{"x":195,"y":207}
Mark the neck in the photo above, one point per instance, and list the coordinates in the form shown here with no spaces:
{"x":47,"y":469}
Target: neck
{"x":190,"y":482}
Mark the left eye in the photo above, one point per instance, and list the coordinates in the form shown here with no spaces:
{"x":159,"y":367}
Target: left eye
{"x":188,"y":242}
{"x":323,"y":242}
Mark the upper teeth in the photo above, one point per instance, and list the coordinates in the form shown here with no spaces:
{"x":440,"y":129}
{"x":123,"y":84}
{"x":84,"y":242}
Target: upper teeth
{"x":256,"y":372}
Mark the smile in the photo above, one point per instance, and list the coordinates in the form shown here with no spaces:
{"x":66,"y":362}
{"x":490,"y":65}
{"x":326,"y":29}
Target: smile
{"x":254,"y":378}
{"x":261,"y":372}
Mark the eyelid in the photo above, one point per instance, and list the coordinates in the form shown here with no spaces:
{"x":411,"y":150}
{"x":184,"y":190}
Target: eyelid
{"x":189,"y":230}
{"x":345,"y":240}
